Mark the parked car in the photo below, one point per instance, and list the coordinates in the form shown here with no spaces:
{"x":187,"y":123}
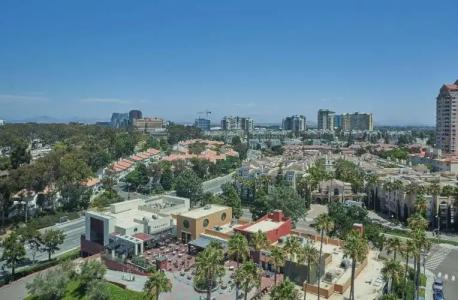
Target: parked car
{"x":438,"y":284}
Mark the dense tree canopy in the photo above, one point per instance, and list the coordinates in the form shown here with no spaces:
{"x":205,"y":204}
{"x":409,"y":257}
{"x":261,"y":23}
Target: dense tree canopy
{"x":189,"y":185}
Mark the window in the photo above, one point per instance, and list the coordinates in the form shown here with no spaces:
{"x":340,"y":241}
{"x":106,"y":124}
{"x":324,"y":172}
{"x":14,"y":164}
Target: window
{"x":223,"y":216}
{"x":186,"y":224}
{"x":206,"y":222}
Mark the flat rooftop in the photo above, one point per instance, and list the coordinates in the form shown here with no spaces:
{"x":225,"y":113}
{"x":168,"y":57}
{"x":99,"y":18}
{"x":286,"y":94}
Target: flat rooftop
{"x":203,"y":211}
{"x":264,"y":226}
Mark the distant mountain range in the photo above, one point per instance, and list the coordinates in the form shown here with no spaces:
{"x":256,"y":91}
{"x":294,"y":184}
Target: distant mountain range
{"x":49,"y":119}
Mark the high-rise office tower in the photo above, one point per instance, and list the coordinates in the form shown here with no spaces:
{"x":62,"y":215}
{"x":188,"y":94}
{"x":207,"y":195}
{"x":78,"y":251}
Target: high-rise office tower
{"x":326,"y":119}
{"x":446,"y":119}
{"x":134,"y":114}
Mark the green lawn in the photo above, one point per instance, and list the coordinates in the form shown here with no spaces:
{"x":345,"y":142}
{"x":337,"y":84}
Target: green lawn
{"x":116,"y":293}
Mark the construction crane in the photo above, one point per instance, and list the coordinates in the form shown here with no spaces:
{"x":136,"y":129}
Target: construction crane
{"x":206,"y":113}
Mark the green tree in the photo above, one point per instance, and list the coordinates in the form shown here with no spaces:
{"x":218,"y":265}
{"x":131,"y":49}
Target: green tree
{"x":237,"y":248}
{"x":277,"y":259}
{"x":91,"y":270}
{"x":19,"y":154}
{"x":248,"y":276}
{"x":393,"y":245}
{"x":32,"y":237}
{"x":189,"y":185}
{"x":209,"y":267}
{"x":324,"y":224}
{"x":156,"y":284}
{"x":49,"y":285}
{"x":13,"y":251}
{"x":310,"y":256}
{"x":259,"y":242}
{"x":231,"y":198}
{"x":286,"y":290}
{"x":51,"y":239}
{"x":97,"y":290}
{"x":356,"y":247}
{"x":292,"y":247}
{"x":284,"y":198}
{"x":105,"y":199}
{"x":392,"y":272}
{"x":138,"y":177}
{"x":167,"y":179}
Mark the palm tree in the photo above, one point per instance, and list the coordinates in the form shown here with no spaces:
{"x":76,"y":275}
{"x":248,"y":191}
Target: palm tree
{"x":259,"y":241}
{"x":238,"y":249}
{"x":324,"y":224}
{"x":418,"y":225}
{"x":311,"y":256}
{"x":248,"y":277}
{"x":209,"y":266}
{"x":394,"y":246}
{"x":157,"y":283}
{"x":292,"y":247}
{"x":356,"y":247}
{"x":409,"y":248}
{"x":392,"y":271}
{"x":277,"y":260}
{"x":371,"y":181}
{"x":420,"y":205}
{"x":286,"y":290}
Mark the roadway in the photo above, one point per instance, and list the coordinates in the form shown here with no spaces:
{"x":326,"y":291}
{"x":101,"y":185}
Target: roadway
{"x":75,"y":228}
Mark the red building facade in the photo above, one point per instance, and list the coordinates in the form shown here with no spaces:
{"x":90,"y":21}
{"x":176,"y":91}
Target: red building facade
{"x":275,"y":225}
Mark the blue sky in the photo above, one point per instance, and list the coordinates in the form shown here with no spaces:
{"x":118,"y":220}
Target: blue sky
{"x":264,"y":59}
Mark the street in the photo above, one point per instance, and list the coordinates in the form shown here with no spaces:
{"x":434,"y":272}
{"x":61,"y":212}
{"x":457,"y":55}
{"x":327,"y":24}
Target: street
{"x":75,"y":228}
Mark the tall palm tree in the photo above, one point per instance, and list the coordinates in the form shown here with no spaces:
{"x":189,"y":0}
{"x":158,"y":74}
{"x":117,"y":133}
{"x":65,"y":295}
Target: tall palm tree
{"x":277,"y":260}
{"x":157,"y":283}
{"x":292,"y":247}
{"x":209,"y":267}
{"x":248,"y":277}
{"x":310,"y":256}
{"x":324,"y":224}
{"x":409,"y":248}
{"x":418,"y":225}
{"x":420,"y":205}
{"x":371,"y":181}
{"x":394,"y":245}
{"x":286,"y":290}
{"x":356,"y":247}
{"x":259,"y":241}
{"x":239,"y":250}
{"x":392,"y":271}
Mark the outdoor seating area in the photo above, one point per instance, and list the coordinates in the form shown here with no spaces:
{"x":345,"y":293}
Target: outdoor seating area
{"x":174,"y":255}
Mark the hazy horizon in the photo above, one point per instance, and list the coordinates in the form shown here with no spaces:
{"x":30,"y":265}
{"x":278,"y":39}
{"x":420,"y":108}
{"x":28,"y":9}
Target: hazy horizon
{"x":262,"y":59}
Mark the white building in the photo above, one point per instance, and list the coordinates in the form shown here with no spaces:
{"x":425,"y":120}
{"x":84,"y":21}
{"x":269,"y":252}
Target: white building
{"x":132,"y":223}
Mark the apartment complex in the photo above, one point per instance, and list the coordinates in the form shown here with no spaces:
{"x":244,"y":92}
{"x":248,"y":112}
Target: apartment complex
{"x":294,"y":123}
{"x":149,"y":125}
{"x":326,"y":119}
{"x":354,"y":121}
{"x":237,"y":123}
{"x":202,"y":123}
{"x":446,"y":119}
